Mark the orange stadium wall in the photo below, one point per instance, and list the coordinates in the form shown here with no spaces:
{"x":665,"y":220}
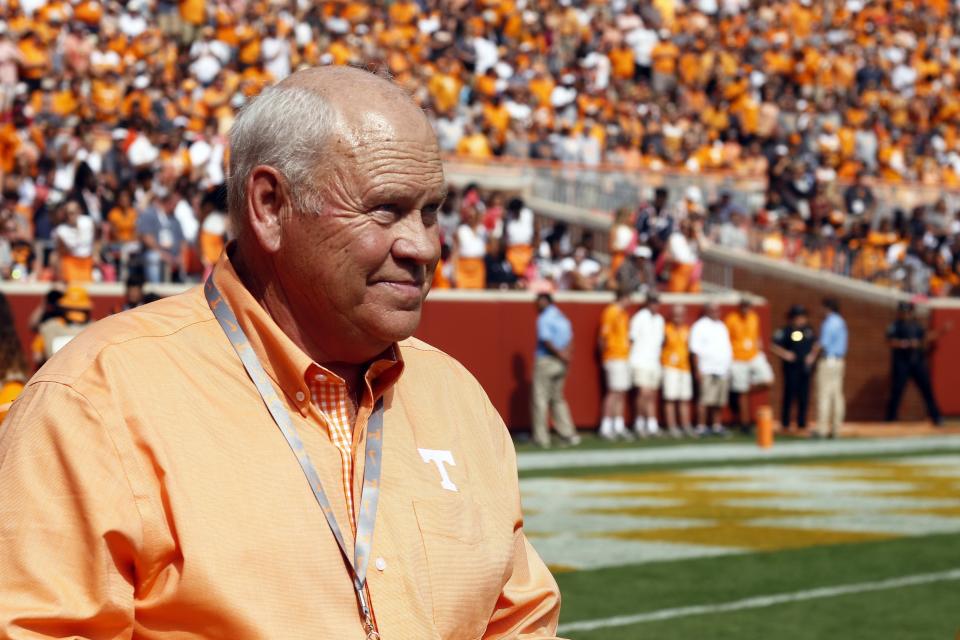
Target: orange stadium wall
{"x":493,"y":337}
{"x":945,"y":360}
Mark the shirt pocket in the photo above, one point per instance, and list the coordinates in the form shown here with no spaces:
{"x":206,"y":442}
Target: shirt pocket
{"x":465,"y":575}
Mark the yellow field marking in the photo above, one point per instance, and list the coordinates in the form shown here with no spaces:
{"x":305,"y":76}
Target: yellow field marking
{"x":946,"y":512}
{"x":561,"y":568}
{"x":735,"y":535}
{"x":923,"y":481}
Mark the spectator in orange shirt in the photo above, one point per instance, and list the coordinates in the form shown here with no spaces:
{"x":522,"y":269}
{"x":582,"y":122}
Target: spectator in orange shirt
{"x":677,"y":376}
{"x":615,"y":350}
{"x":750,"y":369}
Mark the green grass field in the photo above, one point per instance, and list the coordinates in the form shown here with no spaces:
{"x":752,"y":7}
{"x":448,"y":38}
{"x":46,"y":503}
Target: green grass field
{"x":827,"y":543}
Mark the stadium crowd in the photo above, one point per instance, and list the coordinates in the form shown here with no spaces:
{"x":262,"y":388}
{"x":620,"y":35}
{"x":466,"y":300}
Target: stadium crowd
{"x":114,"y":114}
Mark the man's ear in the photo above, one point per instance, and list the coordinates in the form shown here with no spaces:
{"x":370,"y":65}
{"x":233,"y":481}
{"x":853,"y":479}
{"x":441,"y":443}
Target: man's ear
{"x":268,"y":203}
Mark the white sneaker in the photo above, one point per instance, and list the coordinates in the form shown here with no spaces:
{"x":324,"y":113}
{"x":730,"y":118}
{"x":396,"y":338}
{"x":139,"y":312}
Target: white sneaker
{"x":675,"y":432}
{"x":653,"y":429}
{"x":639,"y":428}
{"x":624,"y":434}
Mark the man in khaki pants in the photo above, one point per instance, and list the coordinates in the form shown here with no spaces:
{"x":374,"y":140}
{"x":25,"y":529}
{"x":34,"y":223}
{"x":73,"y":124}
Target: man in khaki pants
{"x":551,"y":363}
{"x":832,"y":349}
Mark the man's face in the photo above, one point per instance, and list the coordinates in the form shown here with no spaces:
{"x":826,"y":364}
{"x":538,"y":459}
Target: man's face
{"x":361,"y":267}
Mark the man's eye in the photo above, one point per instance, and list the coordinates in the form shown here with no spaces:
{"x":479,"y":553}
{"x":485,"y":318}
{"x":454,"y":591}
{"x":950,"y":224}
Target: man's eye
{"x":429,"y":214}
{"x":391,"y":209}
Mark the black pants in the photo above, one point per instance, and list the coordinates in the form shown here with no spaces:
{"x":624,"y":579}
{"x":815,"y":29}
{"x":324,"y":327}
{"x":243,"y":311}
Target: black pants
{"x":903,"y":371}
{"x":796,"y":388}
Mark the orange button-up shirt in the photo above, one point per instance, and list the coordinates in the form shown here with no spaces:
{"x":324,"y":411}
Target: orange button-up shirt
{"x":145,"y":492}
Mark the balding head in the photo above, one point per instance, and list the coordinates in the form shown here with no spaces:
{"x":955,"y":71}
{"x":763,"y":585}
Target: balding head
{"x":299,"y":125}
{"x":336,"y":180}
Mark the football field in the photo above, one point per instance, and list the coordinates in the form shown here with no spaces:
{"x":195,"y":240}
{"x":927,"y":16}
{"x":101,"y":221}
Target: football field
{"x":851,"y":539}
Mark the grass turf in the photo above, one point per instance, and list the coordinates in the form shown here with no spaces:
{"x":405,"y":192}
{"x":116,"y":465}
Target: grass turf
{"x":915,"y":612}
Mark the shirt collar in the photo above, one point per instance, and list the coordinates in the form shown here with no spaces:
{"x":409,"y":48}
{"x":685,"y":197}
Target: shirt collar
{"x":284,"y":361}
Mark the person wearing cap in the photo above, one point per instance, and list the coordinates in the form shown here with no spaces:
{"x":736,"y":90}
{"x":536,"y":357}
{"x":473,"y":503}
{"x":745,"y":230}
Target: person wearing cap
{"x":614,"y":343}
{"x":750,"y":369}
{"x":646,"y":342}
{"x":636,"y":274}
{"x":272,"y":455}
{"x":712,"y":355}
{"x":793,"y":344}
{"x":73,"y":316}
{"x":909,"y":342}
{"x":550,"y":367}
{"x":829,"y":353}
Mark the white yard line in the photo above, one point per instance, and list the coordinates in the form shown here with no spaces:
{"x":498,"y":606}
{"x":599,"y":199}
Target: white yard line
{"x":572,"y":458}
{"x":761,"y":601}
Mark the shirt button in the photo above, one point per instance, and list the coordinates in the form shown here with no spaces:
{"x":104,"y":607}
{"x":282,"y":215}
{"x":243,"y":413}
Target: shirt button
{"x":381,"y":564}
{"x":300,"y":397}
{"x":319,"y":377}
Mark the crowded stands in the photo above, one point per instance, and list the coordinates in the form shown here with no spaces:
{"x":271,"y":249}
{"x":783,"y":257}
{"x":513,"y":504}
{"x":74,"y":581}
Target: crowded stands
{"x":114,"y":119}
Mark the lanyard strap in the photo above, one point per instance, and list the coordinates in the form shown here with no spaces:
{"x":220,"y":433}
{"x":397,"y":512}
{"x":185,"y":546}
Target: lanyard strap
{"x":370,"y":493}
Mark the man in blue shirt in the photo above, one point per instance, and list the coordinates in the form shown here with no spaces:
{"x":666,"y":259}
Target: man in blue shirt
{"x":832,"y":349}
{"x":551,"y":363}
{"x":164,"y":245}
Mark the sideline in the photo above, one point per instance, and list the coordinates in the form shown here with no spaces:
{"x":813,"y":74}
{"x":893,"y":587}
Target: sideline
{"x":762,"y":601}
{"x":572,"y":458}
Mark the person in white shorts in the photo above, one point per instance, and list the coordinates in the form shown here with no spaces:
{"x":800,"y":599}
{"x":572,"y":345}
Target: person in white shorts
{"x":615,"y":349}
{"x":712,"y":357}
{"x":646,"y":341}
{"x":750,"y":369}
{"x":677,"y":379}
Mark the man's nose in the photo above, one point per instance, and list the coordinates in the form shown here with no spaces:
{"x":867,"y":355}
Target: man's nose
{"x":416,"y":241}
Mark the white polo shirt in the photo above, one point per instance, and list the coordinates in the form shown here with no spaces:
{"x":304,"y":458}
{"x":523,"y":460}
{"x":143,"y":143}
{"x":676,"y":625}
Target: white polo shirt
{"x":710,"y":342}
{"x":646,"y":339}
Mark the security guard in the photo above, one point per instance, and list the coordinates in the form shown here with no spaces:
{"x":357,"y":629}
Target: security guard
{"x":794,"y":343}
{"x":909,"y":341}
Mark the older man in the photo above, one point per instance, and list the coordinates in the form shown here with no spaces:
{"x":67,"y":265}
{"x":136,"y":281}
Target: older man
{"x":712,"y":356}
{"x":210,"y":465}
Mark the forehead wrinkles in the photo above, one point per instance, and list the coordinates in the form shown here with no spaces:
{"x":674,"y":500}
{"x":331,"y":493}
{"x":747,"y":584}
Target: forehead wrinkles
{"x":401,"y":161}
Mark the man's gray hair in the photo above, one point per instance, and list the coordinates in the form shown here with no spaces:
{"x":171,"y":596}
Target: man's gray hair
{"x":286,"y":128}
